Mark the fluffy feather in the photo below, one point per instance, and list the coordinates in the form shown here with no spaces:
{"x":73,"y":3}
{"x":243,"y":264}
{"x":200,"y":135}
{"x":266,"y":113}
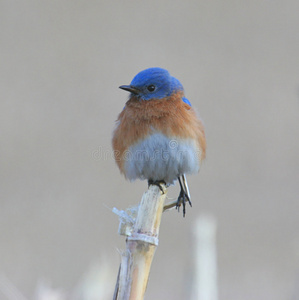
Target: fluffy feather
{"x":149,"y":126}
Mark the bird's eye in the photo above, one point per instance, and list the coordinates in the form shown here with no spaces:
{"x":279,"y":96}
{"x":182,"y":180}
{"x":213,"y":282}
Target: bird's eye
{"x":151,"y":88}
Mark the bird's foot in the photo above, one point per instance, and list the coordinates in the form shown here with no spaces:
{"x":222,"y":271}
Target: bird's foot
{"x":157,"y":183}
{"x":184,"y":195}
{"x":182,"y":200}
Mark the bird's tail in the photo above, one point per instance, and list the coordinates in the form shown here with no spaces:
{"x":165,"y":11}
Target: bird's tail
{"x":185,"y":185}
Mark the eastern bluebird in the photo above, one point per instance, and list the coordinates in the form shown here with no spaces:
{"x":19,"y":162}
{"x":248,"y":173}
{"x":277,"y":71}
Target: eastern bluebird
{"x":158,"y":136}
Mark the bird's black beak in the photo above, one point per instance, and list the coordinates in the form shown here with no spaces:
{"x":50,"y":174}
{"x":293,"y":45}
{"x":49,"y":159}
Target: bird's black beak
{"x":130,"y":89}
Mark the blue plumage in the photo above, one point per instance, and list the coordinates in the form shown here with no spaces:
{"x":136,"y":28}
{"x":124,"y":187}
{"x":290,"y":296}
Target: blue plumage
{"x":186,"y":101}
{"x":154,"y":83}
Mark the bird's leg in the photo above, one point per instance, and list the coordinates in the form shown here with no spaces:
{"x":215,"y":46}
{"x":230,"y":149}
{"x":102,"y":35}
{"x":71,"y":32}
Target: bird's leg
{"x":183,"y":198}
{"x":157,"y":183}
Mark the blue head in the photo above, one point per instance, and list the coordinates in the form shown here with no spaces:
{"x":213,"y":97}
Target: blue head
{"x":153,"y":83}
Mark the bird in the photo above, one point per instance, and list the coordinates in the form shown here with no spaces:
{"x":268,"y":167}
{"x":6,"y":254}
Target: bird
{"x":158,"y":136}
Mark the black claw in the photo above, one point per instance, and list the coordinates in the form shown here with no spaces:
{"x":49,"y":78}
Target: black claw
{"x":182,"y":199}
{"x":157,"y":183}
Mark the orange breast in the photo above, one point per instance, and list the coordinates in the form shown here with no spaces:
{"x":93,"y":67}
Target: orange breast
{"x":172,"y":117}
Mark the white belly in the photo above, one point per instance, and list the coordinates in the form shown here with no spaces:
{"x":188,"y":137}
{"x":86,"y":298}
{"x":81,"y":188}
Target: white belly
{"x":161,"y":158}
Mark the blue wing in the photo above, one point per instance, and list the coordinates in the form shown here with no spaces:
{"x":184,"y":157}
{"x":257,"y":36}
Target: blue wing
{"x":186,"y":101}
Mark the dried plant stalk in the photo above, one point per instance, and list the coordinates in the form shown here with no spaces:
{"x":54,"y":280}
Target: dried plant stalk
{"x":142,"y":241}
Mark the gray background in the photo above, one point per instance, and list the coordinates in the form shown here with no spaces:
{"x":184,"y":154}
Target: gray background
{"x":61,"y":65}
